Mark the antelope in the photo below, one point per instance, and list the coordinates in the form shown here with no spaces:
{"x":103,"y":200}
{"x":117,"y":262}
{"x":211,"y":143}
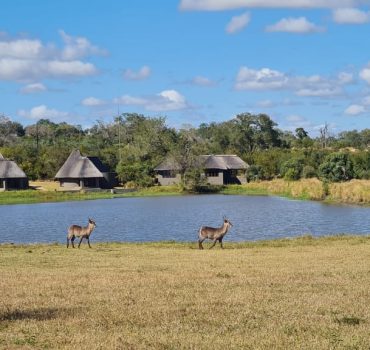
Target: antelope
{"x":80,"y":232}
{"x":215,"y":234}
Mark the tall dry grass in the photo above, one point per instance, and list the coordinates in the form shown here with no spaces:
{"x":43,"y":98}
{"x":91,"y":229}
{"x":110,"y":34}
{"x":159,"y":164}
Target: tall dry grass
{"x":305,"y":188}
{"x":354,"y":191}
{"x":297,"y":294}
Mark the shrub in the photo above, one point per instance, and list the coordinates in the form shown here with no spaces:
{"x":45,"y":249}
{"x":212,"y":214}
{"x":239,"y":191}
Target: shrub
{"x":292,"y":169}
{"x":308,"y":172}
{"x":336,"y":167}
{"x":255,"y":173}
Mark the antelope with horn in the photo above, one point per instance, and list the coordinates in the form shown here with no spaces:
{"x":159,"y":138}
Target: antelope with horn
{"x":214,"y":234}
{"x":80,"y":232}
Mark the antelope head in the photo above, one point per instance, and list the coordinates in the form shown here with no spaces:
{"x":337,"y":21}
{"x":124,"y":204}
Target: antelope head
{"x":92,"y":222}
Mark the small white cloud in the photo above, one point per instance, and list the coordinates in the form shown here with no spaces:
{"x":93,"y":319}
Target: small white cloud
{"x":130,"y":100}
{"x":78,"y":47}
{"x":350,"y":16}
{"x":295,"y":118}
{"x":265,"y":104}
{"x":92,"y":102}
{"x":237,"y":23}
{"x":365,"y":74}
{"x":167,"y":100}
{"x":33,"y":88}
{"x":202,"y":81}
{"x":319,"y":92}
{"x":43,"y":112}
{"x":297,"y":121}
{"x":294,"y":25}
{"x":355,"y":110}
{"x":143,"y":73}
{"x":263,"y":79}
{"x":345,"y":78}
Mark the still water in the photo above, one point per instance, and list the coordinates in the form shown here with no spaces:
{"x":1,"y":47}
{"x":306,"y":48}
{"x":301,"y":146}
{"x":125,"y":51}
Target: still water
{"x":179,"y":218}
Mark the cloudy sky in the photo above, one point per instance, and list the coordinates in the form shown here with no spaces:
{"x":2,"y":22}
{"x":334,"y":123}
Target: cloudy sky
{"x":303,"y":62}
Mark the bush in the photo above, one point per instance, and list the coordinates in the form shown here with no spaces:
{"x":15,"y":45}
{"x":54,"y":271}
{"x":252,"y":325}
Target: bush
{"x":336,"y":167}
{"x":255,"y":173}
{"x":308,"y":172}
{"x":292,"y":169}
{"x":137,"y":173}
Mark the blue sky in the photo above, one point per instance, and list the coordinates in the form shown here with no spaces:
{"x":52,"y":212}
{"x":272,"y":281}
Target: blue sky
{"x":303,"y":62}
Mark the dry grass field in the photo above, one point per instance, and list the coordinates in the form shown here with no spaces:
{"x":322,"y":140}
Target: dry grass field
{"x":289,"y":294}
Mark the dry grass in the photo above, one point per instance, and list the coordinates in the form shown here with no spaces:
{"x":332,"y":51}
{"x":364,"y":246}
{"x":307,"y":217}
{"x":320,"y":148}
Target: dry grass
{"x":290,"y":294}
{"x":45,"y":185}
{"x":354,"y":191}
{"x":305,"y":188}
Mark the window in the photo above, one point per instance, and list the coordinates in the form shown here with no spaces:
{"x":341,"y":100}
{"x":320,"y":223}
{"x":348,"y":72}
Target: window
{"x":212,"y":173}
{"x":168,"y":174}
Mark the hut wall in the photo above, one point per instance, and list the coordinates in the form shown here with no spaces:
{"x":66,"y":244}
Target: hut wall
{"x":165,"y":178}
{"x":214,"y":177}
{"x":14,"y":184}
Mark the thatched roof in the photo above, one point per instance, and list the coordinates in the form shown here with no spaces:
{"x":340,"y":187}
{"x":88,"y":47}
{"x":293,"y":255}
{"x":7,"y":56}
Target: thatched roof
{"x":168,"y":164}
{"x":77,"y":166}
{"x":10,"y":170}
{"x":223,"y":162}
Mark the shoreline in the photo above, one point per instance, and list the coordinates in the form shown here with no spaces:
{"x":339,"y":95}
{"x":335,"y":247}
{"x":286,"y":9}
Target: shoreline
{"x":354,"y":192}
{"x":296,"y":241}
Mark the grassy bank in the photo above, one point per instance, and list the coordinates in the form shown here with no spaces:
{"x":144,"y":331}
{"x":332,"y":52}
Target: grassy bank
{"x":47,"y":195}
{"x":352,"y":192}
{"x":289,"y":294}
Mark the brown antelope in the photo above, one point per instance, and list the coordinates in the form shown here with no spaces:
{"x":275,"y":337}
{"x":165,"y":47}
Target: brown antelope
{"x":80,"y":232}
{"x":215,"y":234}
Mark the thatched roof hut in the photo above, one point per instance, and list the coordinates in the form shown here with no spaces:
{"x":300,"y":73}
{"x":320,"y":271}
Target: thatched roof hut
{"x":218,"y":169}
{"x":222,"y":162}
{"x":11,"y":175}
{"x":82,"y":171}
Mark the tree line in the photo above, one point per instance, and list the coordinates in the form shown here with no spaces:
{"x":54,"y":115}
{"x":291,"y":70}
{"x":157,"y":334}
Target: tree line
{"x":133,"y":145}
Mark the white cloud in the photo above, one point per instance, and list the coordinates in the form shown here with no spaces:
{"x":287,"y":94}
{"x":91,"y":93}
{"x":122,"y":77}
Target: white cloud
{"x":202,"y":81}
{"x":43,"y":112}
{"x":294,"y":25}
{"x":265,"y":104}
{"x":355,"y":109}
{"x":92,"y":102}
{"x":365,"y":74}
{"x":237,"y":23}
{"x":167,"y":100}
{"x":218,"y":5}
{"x":294,"y":121}
{"x":345,"y":78}
{"x":29,"y":60}
{"x":33,"y":88}
{"x":143,"y":73}
{"x":22,"y":48}
{"x":78,"y":47}
{"x":350,"y":16}
{"x":309,"y":86}
{"x":264,"y":79}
